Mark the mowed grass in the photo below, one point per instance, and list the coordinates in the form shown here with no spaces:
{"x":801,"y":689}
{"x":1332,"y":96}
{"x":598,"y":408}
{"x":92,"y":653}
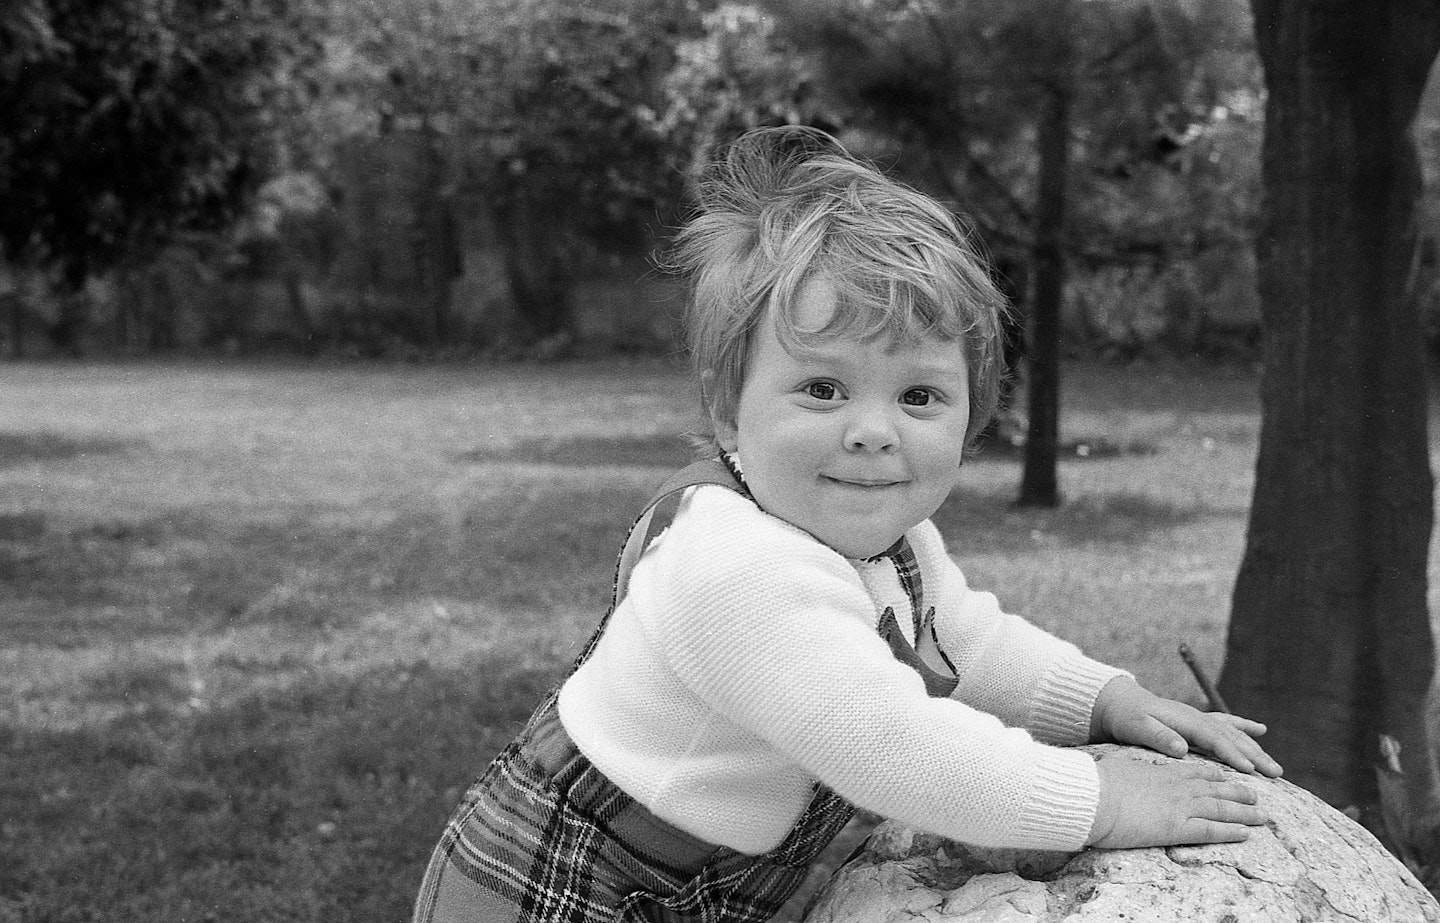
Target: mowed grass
{"x":260,"y":625}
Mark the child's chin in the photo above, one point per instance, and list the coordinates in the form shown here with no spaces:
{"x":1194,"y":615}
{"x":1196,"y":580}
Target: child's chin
{"x":860,"y":549}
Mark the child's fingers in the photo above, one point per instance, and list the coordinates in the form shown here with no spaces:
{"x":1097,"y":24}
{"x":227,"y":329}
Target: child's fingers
{"x":1232,"y":812}
{"x":1200,"y":831}
{"x":1234,"y":746}
{"x":1229,"y":738}
{"x":1233,"y":803}
{"x":1231,"y":750}
{"x":1229,"y":810}
{"x":1264,"y":763}
{"x":1245,"y":725}
{"x":1159,"y":736}
{"x":1224,"y":813}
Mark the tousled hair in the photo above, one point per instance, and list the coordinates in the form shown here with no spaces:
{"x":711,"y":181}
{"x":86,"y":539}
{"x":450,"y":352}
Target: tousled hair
{"x":781,"y":207}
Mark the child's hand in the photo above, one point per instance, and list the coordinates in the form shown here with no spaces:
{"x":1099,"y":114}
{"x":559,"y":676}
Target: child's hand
{"x":1127,"y":713}
{"x":1169,"y":804}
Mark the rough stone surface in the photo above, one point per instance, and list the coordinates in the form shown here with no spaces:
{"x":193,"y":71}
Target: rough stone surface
{"x":1309,"y":864}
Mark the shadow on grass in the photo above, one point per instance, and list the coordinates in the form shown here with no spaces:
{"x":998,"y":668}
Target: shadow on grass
{"x":975,"y":522}
{"x":321,"y":802}
{"x":540,"y":545}
{"x":40,"y":446}
{"x":536,"y":546}
{"x":657,"y":449}
{"x":90,"y":580}
{"x":1090,"y":448}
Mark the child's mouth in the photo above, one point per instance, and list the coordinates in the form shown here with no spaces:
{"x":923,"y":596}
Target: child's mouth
{"x":863,"y":483}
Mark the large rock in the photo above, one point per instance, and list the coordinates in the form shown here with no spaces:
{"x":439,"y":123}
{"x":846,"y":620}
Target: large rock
{"x":1309,"y":864}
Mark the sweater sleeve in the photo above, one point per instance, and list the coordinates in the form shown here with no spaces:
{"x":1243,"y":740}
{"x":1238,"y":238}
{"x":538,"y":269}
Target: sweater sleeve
{"x":1006,"y":666}
{"x":775,"y":632}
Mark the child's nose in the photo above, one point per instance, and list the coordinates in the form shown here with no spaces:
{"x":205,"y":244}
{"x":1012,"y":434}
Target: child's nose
{"x":871,"y":431}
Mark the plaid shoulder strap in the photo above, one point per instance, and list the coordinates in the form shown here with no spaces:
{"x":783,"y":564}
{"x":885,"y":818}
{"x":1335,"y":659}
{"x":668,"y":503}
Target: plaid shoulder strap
{"x":652,"y":520}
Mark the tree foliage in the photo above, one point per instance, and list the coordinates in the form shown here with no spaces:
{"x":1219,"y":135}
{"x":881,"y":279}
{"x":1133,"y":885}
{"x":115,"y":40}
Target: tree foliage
{"x":128,"y":120}
{"x":578,"y":125}
{"x":956,"y":88}
{"x":740,"y":72}
{"x":26,"y":36}
{"x":550,"y":111}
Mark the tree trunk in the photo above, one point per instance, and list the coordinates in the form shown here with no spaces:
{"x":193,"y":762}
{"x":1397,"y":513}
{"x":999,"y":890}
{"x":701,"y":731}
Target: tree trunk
{"x":1330,"y":640}
{"x":539,"y":280}
{"x":1039,"y":485}
{"x":165,"y":308}
{"x":17,"y":325}
{"x":438,"y":255}
{"x":299,"y":311}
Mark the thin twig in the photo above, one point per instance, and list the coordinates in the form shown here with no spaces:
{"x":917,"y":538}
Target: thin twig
{"x":1211,"y":693}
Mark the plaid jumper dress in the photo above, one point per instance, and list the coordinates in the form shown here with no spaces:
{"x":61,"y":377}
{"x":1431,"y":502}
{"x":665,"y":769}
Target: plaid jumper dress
{"x":544,"y":837}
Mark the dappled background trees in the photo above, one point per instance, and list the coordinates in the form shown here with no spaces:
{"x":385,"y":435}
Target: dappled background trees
{"x":386,"y":176}
{"x":127,"y":125}
{"x":438,"y":176}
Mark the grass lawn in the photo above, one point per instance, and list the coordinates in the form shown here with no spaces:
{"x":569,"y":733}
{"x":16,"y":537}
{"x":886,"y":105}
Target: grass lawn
{"x":260,"y":624}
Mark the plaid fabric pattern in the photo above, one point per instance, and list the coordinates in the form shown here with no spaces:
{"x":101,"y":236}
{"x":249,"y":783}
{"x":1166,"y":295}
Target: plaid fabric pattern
{"x":736,"y":888}
{"x":545,"y":837}
{"x":907,"y":568}
{"x":937,"y":685}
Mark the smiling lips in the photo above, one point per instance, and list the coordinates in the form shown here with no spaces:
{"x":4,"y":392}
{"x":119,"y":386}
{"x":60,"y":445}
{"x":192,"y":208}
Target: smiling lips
{"x":868,"y":483}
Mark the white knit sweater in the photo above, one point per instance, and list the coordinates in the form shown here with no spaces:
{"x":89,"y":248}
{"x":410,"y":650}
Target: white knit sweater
{"x":744,"y":664}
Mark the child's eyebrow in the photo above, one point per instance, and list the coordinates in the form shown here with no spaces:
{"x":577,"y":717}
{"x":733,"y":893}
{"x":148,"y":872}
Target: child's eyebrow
{"x":817,"y":354}
{"x":938,"y":370}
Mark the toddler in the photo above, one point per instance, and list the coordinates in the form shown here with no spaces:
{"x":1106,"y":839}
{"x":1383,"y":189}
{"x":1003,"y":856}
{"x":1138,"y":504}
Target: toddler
{"x":789,"y":638}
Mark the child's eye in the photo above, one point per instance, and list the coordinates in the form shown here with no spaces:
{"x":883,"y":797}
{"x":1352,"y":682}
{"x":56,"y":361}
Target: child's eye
{"x":822,"y":390}
{"x":917,"y":397}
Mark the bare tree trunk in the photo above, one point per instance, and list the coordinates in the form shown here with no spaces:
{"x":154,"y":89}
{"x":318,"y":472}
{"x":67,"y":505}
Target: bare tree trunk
{"x":1039,"y":485}
{"x":446,"y":265}
{"x":438,"y":255}
{"x":539,"y":282}
{"x":17,"y":325}
{"x":292,"y":274}
{"x":1330,"y":640}
{"x":165,"y":309}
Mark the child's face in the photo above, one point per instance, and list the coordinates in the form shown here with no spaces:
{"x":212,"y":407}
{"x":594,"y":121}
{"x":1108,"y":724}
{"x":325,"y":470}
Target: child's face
{"x":852,"y":441}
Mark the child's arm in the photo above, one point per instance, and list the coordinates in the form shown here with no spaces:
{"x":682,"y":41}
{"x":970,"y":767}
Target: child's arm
{"x":1051,"y":684}
{"x":1126,"y":712}
{"x":1018,"y":672}
{"x":1004,"y":665}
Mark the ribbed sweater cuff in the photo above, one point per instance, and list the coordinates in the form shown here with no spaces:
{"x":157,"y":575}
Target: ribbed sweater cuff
{"x":1066,"y":697}
{"x":1064,"y":800}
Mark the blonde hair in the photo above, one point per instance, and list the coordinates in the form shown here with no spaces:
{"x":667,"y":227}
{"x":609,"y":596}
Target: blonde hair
{"x":781,"y":207}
